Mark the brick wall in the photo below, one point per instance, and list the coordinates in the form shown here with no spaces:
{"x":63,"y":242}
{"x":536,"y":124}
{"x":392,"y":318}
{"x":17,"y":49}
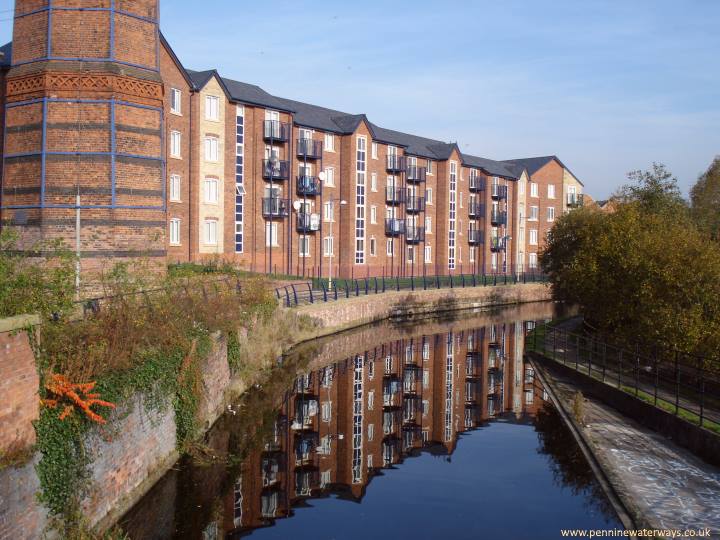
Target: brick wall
{"x":550,"y":174}
{"x":19,"y":387}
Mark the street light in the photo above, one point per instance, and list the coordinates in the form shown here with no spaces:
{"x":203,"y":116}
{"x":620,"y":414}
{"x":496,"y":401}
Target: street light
{"x":332,"y":239}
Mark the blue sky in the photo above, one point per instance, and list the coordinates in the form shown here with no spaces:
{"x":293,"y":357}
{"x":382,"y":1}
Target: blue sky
{"x":608,"y":86}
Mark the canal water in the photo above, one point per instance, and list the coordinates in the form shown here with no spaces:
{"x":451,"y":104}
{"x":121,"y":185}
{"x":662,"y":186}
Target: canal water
{"x":433,"y":430}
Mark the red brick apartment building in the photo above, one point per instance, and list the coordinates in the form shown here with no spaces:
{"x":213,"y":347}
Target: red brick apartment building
{"x":112,"y":146}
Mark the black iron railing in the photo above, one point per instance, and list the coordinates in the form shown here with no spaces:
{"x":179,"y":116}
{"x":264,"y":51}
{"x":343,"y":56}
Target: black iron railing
{"x":476,"y":210}
{"x":279,"y":171}
{"x":394,"y":226}
{"x":394,"y":195}
{"x":395,"y":164}
{"x":476,"y":237}
{"x":498,"y":218}
{"x":308,"y":186}
{"x":318,"y":290}
{"x":671,"y":380}
{"x":414,"y":205}
{"x":477,"y":183}
{"x":274,"y":207}
{"x":309,"y":148}
{"x":575,"y":200}
{"x":415,"y":173}
{"x":499,"y":192}
{"x":274,"y":130}
{"x":307,"y":222}
{"x":414,"y":235}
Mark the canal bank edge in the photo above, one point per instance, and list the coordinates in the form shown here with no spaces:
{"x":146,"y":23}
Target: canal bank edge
{"x":333,"y":317}
{"x":142,"y":449}
{"x":624,"y":509}
{"x":639,"y":457}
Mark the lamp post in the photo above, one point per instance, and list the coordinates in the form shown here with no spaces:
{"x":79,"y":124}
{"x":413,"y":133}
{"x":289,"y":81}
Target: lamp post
{"x":332,"y":241}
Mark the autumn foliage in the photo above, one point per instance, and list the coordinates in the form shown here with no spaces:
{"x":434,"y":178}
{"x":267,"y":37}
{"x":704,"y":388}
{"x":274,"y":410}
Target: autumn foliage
{"x":72,"y":396}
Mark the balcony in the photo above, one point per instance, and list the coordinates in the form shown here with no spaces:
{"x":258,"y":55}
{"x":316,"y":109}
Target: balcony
{"x":498,"y":218}
{"x":394,"y":195}
{"x":497,"y":244}
{"x":308,"y":186}
{"x":394,"y":227}
{"x":477,"y":184}
{"x":476,"y":210}
{"x":413,"y":205}
{"x":307,"y":223}
{"x":395,"y":164}
{"x":499,"y":192}
{"x":279,"y":171}
{"x":276,"y":131}
{"x":310,"y":149}
{"x":476,"y":237}
{"x":274,"y":207}
{"x":575,"y":200}
{"x":416,"y":174}
{"x":415,"y":235}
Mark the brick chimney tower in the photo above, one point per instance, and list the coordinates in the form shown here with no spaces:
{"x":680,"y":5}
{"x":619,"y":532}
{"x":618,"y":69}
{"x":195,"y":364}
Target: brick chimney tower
{"x":84,"y":150}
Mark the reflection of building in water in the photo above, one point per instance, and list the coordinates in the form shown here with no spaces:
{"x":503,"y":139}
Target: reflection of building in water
{"x":342,"y":423}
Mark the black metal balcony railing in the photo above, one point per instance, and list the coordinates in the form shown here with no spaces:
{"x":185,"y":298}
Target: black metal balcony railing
{"x":395,"y":163}
{"x":307,"y":222}
{"x":499,"y":192}
{"x":394,"y":226}
{"x":309,"y":148}
{"x":394,"y":195}
{"x":497,"y":244}
{"x":274,"y":130}
{"x":476,"y":210}
{"x":476,"y":237}
{"x":575,"y":200}
{"x":498,"y":218}
{"x":274,"y":207}
{"x":414,"y":235}
{"x":309,"y":186}
{"x":416,"y":174}
{"x":279,"y":171}
{"x":477,"y":183}
{"x":414,"y":204}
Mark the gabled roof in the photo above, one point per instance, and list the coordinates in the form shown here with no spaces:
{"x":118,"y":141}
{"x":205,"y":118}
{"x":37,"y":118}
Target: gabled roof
{"x":348,"y":123}
{"x":175,"y":59}
{"x":6,"y":55}
{"x":495,"y":168}
{"x":534,"y":164}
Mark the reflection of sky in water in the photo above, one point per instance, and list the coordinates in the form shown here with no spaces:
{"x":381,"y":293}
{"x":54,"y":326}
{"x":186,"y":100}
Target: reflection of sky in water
{"x":385,"y":444}
{"x":495,"y":485}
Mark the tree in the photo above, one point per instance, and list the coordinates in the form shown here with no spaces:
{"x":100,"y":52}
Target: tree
{"x":705,"y":200}
{"x":656,"y":191}
{"x":642,"y":275}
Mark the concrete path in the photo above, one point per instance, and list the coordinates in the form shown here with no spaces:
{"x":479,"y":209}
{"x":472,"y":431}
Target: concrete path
{"x":662,"y":485}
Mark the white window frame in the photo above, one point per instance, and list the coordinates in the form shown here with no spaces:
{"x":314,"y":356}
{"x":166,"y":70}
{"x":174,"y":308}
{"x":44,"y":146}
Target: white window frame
{"x":428,"y":225}
{"x":328,"y":246}
{"x":551,"y":191}
{"x":212,"y":108}
{"x":428,"y":196}
{"x":176,"y":101}
{"x":210,"y":232}
{"x":174,"y":188}
{"x":534,"y":189}
{"x":212,"y":148}
{"x":175,"y":232}
{"x":211,"y":190}
{"x":534,"y":213}
{"x":428,"y":166}
{"x":373,"y":247}
{"x":176,"y":144}
{"x":373,"y":215}
{"x":374,"y":150}
{"x":533,"y":237}
{"x":551,"y":213}
{"x":329,"y":145}
{"x":389,"y":247}
{"x":271,"y":234}
{"x":304,"y":242}
{"x":373,"y":182}
{"x":330,"y":176}
{"x":428,"y":254}
{"x":532,"y":261}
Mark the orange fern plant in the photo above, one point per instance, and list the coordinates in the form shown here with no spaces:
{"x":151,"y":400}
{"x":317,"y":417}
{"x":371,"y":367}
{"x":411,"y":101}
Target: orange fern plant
{"x":74,"y":395}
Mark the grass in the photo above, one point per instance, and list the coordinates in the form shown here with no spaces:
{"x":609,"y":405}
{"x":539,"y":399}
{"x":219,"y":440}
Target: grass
{"x":667,"y":406}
